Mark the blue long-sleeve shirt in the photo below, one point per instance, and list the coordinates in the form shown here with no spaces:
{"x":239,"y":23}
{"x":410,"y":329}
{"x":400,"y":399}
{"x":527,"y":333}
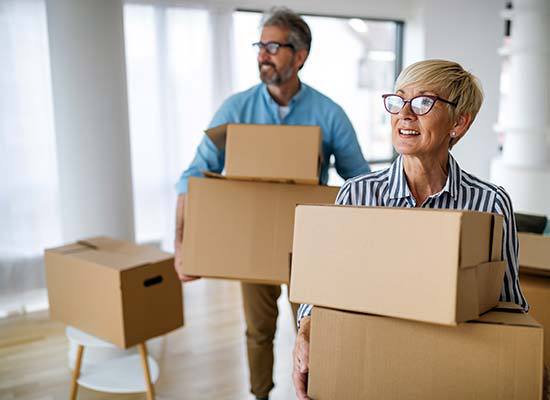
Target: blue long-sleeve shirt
{"x":307,"y":107}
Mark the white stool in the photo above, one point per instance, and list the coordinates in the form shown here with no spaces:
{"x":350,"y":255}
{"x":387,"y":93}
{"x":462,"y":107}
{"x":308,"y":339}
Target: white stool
{"x":117,"y":375}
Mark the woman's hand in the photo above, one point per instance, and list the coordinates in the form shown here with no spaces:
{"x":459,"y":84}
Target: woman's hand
{"x":301,"y":359}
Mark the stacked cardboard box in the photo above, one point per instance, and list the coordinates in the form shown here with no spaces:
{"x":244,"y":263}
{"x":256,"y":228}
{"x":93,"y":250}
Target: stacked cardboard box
{"x":240,"y":225}
{"x":393,"y":290}
{"x":115,"y":290}
{"x":534,"y":261}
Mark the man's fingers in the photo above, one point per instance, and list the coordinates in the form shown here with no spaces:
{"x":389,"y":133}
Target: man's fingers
{"x":304,"y":358}
{"x":300,"y":384}
{"x":187,"y":278}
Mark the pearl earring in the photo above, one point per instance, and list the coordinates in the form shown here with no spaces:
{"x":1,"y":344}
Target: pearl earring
{"x":453,"y":134}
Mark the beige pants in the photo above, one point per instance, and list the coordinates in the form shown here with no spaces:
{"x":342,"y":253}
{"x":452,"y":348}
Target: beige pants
{"x":260,"y":311}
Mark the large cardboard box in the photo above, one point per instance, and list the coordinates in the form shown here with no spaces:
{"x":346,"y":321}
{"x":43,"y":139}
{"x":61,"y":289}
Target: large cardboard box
{"x":537,"y":291}
{"x":243,"y":230}
{"x":439,"y":266}
{"x":534,"y":253}
{"x":115,"y":290}
{"x":359,"y":356}
{"x":534,"y":260}
{"x":281,"y":153}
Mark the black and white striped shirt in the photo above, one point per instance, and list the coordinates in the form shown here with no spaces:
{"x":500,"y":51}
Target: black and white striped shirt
{"x":462,"y":191}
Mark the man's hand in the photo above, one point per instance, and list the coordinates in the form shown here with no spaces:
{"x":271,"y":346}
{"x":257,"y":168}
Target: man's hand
{"x":301,"y":359}
{"x":179,"y":240}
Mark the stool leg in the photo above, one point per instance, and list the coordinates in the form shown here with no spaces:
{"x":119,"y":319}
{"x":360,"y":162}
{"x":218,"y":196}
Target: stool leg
{"x":150,"y":388}
{"x":76,"y":372}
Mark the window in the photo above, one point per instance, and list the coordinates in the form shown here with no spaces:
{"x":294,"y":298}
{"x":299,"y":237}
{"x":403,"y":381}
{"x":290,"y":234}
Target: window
{"x":353,"y":61}
{"x":29,"y":209}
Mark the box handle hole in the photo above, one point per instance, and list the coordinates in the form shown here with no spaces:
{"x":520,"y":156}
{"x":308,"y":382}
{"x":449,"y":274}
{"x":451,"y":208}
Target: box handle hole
{"x":152,"y":281}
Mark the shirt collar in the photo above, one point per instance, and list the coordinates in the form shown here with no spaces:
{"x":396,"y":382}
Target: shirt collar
{"x":400,"y":189}
{"x":299,"y":94}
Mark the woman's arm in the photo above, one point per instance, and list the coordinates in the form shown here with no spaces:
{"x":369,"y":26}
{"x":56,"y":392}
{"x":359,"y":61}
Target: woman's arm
{"x":511,"y":290}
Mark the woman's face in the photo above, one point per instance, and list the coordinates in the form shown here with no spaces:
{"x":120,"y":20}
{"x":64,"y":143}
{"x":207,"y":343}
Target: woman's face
{"x":424,"y":135}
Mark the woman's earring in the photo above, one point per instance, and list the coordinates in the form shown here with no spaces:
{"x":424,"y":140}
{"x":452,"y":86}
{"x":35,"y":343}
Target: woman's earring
{"x":453,"y":134}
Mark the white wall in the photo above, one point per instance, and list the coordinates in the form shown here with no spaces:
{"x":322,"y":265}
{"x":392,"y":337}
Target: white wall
{"x":467,"y":31}
{"x":470,"y":32}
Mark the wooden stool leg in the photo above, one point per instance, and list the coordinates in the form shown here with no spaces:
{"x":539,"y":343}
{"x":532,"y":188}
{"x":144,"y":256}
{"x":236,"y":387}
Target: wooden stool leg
{"x":150,"y":388}
{"x":76,"y":372}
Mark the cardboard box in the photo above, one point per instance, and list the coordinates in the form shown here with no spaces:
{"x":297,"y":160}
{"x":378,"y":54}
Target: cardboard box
{"x":359,"y":356}
{"x":243,"y":230}
{"x":115,"y":290}
{"x":279,"y":153}
{"x":537,"y":291}
{"x":439,"y":266}
{"x":534,"y":261}
{"x":534,"y":253}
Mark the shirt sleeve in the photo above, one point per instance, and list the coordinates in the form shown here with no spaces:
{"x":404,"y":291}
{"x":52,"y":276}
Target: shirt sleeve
{"x":511,"y":290}
{"x":208,"y":157}
{"x":348,"y":156}
{"x":343,"y":198}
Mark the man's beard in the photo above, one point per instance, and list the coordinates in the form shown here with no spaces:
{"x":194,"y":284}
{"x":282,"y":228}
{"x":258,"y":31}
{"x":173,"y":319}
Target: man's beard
{"x":271,"y":76}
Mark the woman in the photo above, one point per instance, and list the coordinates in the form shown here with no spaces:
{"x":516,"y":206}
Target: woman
{"x":435,"y":103}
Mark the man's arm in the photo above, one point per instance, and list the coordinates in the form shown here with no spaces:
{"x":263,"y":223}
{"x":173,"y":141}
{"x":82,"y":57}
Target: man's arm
{"x":207,"y":158}
{"x":348,"y":156}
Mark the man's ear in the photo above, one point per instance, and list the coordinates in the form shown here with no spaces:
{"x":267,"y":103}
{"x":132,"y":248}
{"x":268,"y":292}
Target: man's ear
{"x":300,"y":57}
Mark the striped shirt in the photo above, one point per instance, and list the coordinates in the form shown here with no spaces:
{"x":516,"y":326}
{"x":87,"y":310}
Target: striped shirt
{"x":462,"y":191}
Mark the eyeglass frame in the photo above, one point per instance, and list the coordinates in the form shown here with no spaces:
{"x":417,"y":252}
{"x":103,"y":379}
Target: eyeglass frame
{"x":262,"y":45}
{"x":434,"y":98}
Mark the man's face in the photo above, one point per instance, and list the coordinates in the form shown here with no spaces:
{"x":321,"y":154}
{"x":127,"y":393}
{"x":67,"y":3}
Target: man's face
{"x":276,"y":69}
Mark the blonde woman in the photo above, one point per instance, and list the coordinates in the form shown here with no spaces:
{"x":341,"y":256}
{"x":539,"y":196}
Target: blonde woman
{"x":434,"y":105}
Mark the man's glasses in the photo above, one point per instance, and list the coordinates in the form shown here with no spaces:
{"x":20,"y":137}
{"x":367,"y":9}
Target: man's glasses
{"x":420,"y":105}
{"x":271,"y":47}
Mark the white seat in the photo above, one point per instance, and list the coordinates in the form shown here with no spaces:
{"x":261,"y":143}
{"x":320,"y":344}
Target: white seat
{"x":121,"y":372}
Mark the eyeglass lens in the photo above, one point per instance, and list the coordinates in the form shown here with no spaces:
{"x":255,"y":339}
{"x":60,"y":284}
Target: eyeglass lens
{"x":420,"y":105}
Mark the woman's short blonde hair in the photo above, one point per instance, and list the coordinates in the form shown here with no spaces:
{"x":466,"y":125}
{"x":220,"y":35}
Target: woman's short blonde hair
{"x":449,"y":80}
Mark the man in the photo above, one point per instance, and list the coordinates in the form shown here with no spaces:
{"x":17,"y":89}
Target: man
{"x":280,"y":99}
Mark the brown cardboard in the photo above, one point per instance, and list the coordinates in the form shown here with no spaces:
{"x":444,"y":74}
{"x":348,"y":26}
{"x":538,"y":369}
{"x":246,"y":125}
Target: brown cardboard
{"x":534,"y":253}
{"x":360,"y":356}
{"x":243,"y":230}
{"x":115,"y":290}
{"x":279,"y":153}
{"x":536,"y":289}
{"x":428,"y":265}
{"x":534,"y":261}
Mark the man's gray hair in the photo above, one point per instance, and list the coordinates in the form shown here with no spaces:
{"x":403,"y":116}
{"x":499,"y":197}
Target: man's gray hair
{"x":299,"y":34}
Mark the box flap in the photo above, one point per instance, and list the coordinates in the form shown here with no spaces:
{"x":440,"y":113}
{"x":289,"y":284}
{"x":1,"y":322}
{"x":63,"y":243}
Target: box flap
{"x":489,"y":277}
{"x":496,"y":248}
{"x":542,"y":273}
{"x":68,"y":249}
{"x":218,"y":135}
{"x":213,"y":175}
{"x":476,"y":238}
{"x":112,"y":253}
{"x":508,"y":314}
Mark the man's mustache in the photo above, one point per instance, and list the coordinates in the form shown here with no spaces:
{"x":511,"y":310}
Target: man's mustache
{"x":266,"y":63}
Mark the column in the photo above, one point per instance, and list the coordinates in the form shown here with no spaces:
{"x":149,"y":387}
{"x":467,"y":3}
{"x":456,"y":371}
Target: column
{"x":91,"y":117}
{"x":523,"y":169}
